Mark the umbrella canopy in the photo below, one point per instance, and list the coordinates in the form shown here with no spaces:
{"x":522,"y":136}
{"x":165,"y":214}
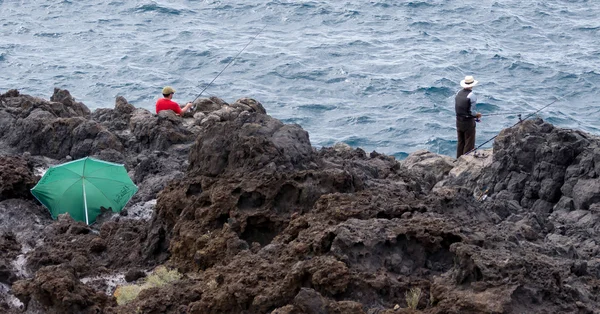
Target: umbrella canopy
{"x":81,"y":187}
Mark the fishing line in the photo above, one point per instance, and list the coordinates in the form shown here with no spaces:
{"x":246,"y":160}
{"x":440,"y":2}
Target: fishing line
{"x":228,"y":64}
{"x":520,"y":121}
{"x":504,"y":114}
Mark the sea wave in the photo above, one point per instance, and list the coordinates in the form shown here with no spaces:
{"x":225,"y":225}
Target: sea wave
{"x":344,"y":71}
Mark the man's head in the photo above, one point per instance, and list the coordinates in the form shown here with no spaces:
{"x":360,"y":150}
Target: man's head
{"x":168,"y":92}
{"x":468,"y":82}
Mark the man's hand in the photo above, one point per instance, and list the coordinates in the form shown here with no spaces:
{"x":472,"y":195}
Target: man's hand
{"x":186,"y":108}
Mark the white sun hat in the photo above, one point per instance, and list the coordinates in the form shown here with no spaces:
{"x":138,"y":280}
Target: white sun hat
{"x":469,"y":81}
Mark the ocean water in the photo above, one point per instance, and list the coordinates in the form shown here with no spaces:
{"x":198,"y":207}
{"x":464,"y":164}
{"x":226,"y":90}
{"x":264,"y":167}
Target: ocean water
{"x":380,"y":75}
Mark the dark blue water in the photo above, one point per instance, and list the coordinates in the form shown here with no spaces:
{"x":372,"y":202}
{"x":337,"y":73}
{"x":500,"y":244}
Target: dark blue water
{"x":380,"y":75}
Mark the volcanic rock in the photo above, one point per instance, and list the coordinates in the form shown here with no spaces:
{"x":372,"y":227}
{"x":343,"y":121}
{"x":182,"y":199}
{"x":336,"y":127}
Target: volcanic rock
{"x":58,"y":290}
{"x":16,"y":178}
{"x":134,"y":274}
{"x":258,"y":221}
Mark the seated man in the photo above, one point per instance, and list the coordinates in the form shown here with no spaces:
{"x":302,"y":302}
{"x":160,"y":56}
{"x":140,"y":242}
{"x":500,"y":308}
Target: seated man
{"x":166,"y":103}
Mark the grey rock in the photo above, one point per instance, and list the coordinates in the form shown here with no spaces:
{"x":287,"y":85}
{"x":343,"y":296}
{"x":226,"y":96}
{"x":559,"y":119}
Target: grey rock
{"x":586,"y":192}
{"x":311,"y":302}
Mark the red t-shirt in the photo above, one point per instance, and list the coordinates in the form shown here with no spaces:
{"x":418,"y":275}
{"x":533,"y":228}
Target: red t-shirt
{"x":167,"y":104}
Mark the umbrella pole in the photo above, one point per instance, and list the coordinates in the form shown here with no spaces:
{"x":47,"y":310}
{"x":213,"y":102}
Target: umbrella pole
{"x":85,"y":203}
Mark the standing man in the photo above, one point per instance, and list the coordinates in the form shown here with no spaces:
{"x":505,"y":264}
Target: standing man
{"x":166,"y":103}
{"x":464,"y":101}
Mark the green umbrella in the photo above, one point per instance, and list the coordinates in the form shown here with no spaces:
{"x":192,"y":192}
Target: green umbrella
{"x":81,"y":187}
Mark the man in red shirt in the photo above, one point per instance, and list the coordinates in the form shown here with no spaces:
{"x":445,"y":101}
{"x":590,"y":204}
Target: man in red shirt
{"x":166,"y":103}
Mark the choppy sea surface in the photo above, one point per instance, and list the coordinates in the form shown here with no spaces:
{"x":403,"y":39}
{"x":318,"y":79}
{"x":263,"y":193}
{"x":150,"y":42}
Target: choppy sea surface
{"x":380,"y":75}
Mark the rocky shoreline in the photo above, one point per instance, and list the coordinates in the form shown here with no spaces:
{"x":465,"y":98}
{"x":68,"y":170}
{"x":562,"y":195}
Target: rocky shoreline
{"x":256,"y":220}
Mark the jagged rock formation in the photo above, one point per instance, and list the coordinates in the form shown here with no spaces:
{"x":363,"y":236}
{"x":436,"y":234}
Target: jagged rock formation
{"x":258,"y":221}
{"x":16,"y":178}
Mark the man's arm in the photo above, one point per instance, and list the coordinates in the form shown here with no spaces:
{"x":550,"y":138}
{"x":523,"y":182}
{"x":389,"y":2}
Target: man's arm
{"x":473,"y":98}
{"x":186,"y":107}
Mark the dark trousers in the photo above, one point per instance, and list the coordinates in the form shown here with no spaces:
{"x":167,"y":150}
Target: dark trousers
{"x":465,"y":129}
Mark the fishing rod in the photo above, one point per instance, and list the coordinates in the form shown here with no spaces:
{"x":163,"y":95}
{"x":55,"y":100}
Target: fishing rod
{"x":228,"y":64}
{"x":505,"y":113}
{"x":520,"y":121}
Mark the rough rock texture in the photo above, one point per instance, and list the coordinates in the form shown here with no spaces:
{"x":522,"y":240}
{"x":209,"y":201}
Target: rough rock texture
{"x":433,"y":168}
{"x":58,"y":289}
{"x":258,"y":221}
{"x":16,"y":178}
{"x":89,"y":251}
{"x":10,"y":248}
{"x":37,"y":133}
